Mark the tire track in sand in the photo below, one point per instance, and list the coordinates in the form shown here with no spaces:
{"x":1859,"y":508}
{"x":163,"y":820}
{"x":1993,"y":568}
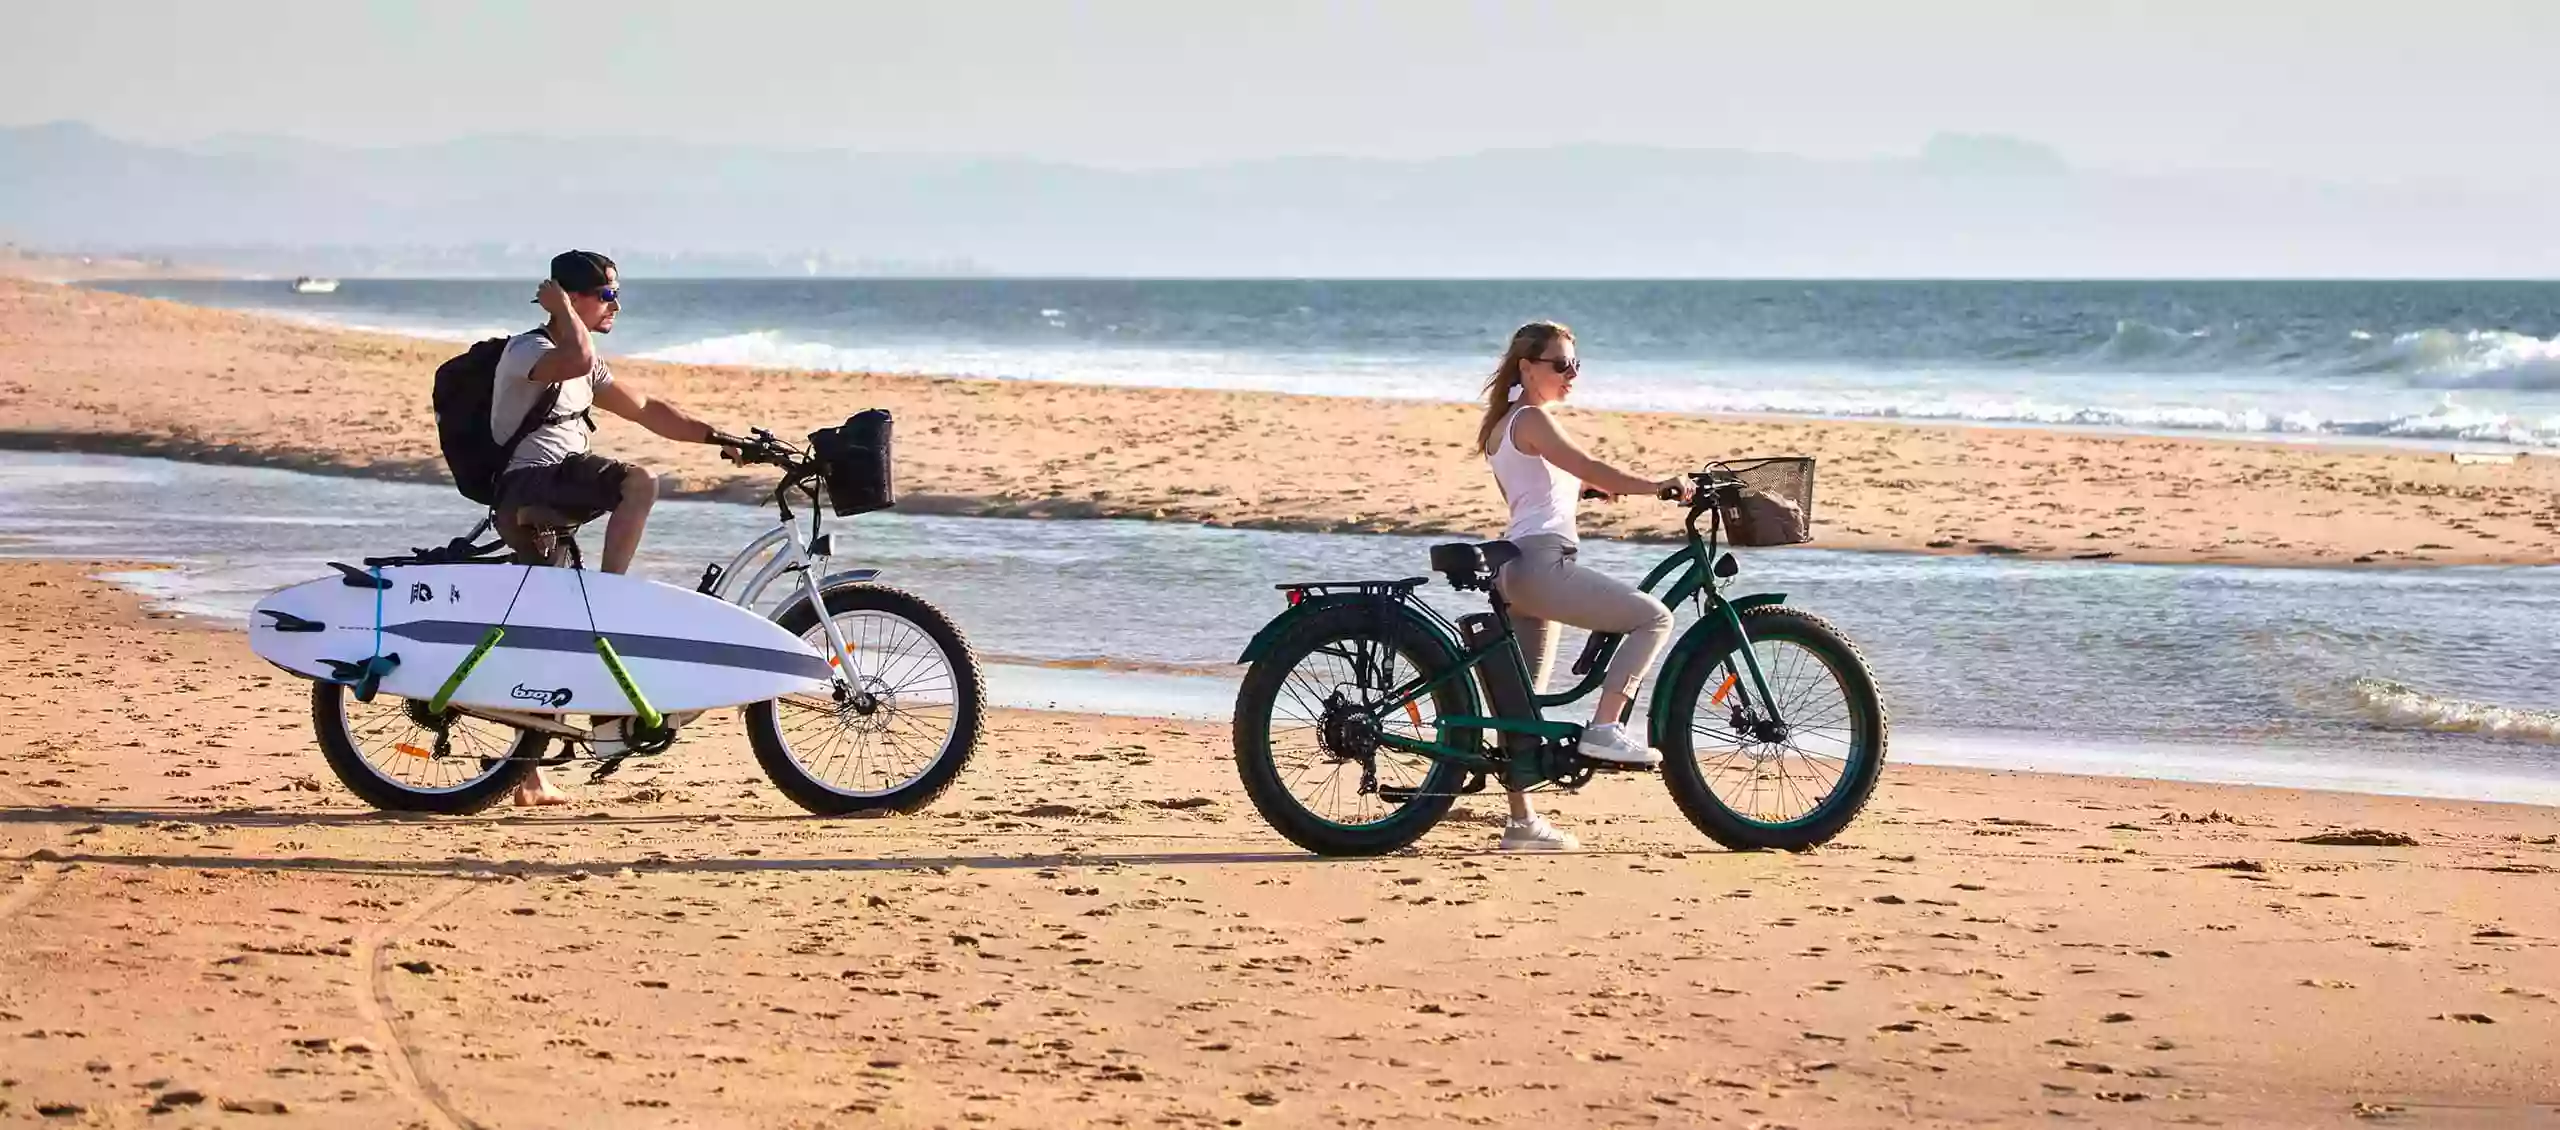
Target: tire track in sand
{"x":40,"y":874}
{"x":372,"y":989}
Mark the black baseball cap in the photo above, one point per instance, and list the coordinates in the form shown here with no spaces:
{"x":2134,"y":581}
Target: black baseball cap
{"x":580,"y":271}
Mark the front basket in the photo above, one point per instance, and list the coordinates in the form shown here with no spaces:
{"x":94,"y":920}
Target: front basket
{"x":853,"y":461}
{"x":1769,"y":503}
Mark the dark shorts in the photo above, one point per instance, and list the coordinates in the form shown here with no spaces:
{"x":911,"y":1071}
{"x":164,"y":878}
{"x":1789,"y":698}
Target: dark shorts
{"x":579,"y":488}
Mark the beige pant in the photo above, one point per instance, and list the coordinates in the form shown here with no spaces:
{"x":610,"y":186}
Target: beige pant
{"x":1545,"y":587}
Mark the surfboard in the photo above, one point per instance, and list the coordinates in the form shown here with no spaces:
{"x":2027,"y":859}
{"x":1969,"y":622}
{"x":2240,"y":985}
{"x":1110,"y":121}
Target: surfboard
{"x":686,"y":651}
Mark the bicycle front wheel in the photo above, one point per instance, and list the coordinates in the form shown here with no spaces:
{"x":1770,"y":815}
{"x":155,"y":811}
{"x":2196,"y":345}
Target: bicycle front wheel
{"x":898,"y":723}
{"x":1753,"y":778}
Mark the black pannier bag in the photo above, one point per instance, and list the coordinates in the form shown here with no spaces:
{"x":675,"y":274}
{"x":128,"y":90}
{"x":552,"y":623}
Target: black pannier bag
{"x":853,"y":460}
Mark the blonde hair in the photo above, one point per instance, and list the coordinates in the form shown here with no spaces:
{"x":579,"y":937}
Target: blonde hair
{"x":1527,"y":343}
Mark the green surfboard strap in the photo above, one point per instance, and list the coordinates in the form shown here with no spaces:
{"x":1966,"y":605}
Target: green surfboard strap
{"x":452,"y":683}
{"x":647,"y":715}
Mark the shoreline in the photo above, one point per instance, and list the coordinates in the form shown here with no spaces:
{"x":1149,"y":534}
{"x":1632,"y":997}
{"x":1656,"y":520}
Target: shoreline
{"x":2057,"y":754}
{"x":90,"y":370}
{"x":1094,"y":919}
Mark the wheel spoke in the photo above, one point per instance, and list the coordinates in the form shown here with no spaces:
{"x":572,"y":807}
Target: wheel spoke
{"x":914,"y":692}
{"x":1798,"y":777}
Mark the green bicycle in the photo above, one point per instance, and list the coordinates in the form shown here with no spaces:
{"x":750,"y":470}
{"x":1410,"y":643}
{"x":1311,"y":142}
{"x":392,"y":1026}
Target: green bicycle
{"x":1364,"y":714}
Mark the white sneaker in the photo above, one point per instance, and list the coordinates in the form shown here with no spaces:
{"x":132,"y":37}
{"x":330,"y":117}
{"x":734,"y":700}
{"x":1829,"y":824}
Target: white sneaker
{"x":605,"y":738}
{"x":1609,"y":742}
{"x":1535,"y":834}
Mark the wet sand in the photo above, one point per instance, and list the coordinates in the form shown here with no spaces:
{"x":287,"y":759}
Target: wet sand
{"x":1093,"y":928}
{"x":93,"y":371}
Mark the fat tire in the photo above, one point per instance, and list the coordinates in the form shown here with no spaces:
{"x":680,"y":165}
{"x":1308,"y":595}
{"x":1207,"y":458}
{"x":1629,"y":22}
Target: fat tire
{"x":969,"y":692}
{"x":338,"y":747}
{"x":1260,"y":693}
{"x":1689,"y":788}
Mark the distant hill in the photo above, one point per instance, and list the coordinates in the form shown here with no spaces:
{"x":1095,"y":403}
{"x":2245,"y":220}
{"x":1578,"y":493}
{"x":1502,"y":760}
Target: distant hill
{"x":1965,"y":206}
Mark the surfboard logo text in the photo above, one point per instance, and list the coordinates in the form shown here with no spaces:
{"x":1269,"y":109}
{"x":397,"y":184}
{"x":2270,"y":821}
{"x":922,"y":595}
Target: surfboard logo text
{"x":555,"y":698}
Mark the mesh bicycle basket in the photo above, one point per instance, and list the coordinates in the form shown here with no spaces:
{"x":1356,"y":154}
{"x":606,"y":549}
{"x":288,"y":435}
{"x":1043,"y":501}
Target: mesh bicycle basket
{"x":1771,"y":502}
{"x":853,"y":461}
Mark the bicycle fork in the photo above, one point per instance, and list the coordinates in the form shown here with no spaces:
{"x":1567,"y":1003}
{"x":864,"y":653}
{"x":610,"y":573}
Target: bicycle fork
{"x":839,"y":653}
{"x":1765,"y":702}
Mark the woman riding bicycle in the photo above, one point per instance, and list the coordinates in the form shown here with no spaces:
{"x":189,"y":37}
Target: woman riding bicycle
{"x":1542,"y":473}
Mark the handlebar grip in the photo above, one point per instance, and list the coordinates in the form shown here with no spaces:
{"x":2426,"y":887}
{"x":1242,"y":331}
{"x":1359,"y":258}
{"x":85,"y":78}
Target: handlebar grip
{"x":1669,"y":493}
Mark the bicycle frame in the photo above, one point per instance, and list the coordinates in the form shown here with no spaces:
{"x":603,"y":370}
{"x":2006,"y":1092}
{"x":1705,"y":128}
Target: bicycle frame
{"x":781,"y":550}
{"x":1690,"y":572}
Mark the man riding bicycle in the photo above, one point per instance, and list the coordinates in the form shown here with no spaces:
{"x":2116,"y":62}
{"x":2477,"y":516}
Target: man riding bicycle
{"x":552,"y":480}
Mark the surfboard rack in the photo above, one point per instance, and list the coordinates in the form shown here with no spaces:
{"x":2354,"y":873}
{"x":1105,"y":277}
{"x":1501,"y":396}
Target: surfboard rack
{"x":459,"y":551}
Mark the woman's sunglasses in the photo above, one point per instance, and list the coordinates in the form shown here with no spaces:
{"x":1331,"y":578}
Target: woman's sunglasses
{"x":1566,"y":367}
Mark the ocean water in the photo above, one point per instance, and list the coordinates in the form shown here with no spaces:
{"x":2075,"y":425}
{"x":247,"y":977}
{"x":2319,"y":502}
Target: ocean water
{"x":2429,"y":682}
{"x":2436,"y":363}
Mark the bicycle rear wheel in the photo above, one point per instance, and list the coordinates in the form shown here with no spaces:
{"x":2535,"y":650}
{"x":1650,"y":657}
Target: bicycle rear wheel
{"x":399,"y":757}
{"x":1308,"y":754}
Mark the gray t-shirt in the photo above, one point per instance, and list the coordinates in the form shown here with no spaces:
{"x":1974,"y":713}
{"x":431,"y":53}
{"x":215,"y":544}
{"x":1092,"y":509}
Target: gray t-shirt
{"x":517,"y":392}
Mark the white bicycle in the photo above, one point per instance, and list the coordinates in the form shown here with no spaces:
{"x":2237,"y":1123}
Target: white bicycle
{"x":900,"y":719}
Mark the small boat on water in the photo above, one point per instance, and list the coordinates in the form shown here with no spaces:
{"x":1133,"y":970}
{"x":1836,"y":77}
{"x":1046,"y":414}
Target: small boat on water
{"x":308,"y":284}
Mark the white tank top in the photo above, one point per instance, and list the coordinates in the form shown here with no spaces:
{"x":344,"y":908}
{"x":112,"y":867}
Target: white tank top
{"x":1543,"y":498}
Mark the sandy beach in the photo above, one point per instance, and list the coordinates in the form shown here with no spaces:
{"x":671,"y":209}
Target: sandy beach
{"x":86,"y":370}
{"x":199,"y":926}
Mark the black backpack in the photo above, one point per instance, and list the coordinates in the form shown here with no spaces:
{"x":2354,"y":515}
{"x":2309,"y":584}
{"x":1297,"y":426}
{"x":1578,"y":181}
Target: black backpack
{"x":465,"y":388}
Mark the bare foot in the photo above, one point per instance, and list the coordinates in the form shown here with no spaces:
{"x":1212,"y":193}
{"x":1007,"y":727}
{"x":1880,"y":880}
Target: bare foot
{"x":537,"y":792}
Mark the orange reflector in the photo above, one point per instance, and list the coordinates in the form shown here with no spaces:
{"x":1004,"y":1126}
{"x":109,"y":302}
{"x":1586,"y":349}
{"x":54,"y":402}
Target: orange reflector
{"x":1413,"y":710}
{"x":411,"y":750}
{"x":1718,"y":697}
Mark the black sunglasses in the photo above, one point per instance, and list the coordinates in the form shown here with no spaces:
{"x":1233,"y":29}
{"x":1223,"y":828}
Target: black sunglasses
{"x":1567,"y":367}
{"x":607,"y":293}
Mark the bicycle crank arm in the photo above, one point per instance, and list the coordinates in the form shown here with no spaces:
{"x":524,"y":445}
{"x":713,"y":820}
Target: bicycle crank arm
{"x":1395,"y":795}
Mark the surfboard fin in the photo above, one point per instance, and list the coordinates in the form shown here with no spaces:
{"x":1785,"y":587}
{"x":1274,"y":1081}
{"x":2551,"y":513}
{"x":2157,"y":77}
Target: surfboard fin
{"x":365,"y":675}
{"x":357,"y":578}
{"x":288,"y":622}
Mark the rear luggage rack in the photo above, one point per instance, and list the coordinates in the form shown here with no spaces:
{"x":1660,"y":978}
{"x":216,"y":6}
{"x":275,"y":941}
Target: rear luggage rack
{"x":1300,"y":590}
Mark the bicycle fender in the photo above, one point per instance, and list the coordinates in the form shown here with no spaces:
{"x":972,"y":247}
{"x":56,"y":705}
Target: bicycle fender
{"x":1701,"y":636}
{"x":831,"y":580}
{"x":1280,"y":625}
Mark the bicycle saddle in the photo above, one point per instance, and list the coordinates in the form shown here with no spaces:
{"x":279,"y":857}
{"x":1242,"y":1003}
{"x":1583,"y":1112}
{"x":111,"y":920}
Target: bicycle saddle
{"x":1471,"y":565}
{"x":536,"y":533}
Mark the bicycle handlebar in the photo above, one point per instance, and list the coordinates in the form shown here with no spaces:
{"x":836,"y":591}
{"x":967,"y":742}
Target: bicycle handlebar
{"x":1666,"y":494}
{"x":761,"y":446}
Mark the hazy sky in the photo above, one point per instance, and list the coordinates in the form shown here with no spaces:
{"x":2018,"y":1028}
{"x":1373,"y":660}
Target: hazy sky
{"x":2451,"y":90}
